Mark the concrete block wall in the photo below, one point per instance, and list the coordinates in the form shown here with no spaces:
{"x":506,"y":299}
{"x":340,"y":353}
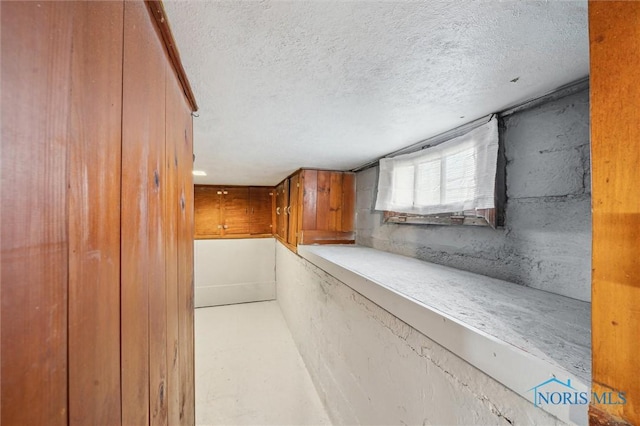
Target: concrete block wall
{"x":372,"y":368}
{"x":546,"y":240}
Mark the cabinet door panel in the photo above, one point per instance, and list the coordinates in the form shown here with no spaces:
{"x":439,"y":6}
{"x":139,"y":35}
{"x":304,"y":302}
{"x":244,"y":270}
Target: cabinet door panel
{"x":207,"y":204}
{"x":309,"y":186}
{"x":335,"y":202}
{"x":282,"y":204}
{"x":292,"y":210}
{"x":323,"y":203}
{"x":260,"y":210}
{"x":236,"y":210}
{"x":348,"y":201}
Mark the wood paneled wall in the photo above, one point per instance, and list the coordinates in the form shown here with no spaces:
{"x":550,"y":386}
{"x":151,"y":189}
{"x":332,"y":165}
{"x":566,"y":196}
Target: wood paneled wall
{"x":94,"y":227}
{"x":96,"y":217}
{"x":614,"y":28}
{"x":34,"y":236}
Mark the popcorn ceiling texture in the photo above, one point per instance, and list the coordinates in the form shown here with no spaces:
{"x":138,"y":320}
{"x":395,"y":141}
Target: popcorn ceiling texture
{"x":334,"y":84}
{"x":546,"y":241}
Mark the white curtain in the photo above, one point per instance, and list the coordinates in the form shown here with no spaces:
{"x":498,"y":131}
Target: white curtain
{"x":454,"y":176}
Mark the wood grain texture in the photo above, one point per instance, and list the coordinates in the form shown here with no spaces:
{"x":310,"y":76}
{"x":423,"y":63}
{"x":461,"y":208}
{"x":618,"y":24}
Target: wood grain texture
{"x":599,"y":417}
{"x":36,"y":81}
{"x":348,"y":202}
{"x":174,"y":137}
{"x":245,"y":211}
{"x":335,"y":201}
{"x":282,"y":202}
{"x":162,"y":23}
{"x":274,"y":216}
{"x":292,"y":209}
{"x":310,"y":194}
{"x":185,"y":271}
{"x":323,"y":201}
{"x":208,"y":211}
{"x":615,"y":114}
{"x":235,"y":202}
{"x":260,"y":209}
{"x":142,"y":138}
{"x":94,"y":214}
{"x":327,"y":237}
{"x":156,"y":199}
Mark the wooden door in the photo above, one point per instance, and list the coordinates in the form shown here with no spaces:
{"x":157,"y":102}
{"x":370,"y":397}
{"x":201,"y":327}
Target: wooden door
{"x":309,"y":185}
{"x":328,"y":207}
{"x":282,"y":201}
{"x":235,"y":202}
{"x":292,"y":209}
{"x":324,"y":216}
{"x":348,"y":202}
{"x":260,"y":209}
{"x":208,"y":211}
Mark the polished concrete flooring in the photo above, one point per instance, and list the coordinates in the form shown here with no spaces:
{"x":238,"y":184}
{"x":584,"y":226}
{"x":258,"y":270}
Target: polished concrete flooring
{"x":248,"y":370}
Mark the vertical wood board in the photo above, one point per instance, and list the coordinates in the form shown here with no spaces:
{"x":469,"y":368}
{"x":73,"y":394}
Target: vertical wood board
{"x":348,"y":202}
{"x":36,"y":61}
{"x":614,"y":29}
{"x":94,"y":214}
{"x":310,"y":194}
{"x":335,"y":201}
{"x":323,"y":201}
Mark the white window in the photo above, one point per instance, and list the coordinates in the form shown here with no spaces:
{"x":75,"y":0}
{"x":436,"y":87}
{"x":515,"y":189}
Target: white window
{"x":454,"y":176}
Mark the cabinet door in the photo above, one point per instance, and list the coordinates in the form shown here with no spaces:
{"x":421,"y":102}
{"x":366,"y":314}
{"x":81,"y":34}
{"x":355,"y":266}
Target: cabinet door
{"x":282,"y":204}
{"x":260,"y":209}
{"x":207,"y":204}
{"x":236,"y":210}
{"x":277,"y":211}
{"x":292,"y":210}
{"x":348,"y":202}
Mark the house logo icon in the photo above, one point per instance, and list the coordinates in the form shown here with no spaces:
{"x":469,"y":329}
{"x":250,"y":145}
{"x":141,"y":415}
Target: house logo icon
{"x":557,"y":392}
{"x":563,"y":393}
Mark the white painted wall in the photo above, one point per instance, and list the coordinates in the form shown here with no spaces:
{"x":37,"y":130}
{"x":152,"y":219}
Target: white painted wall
{"x":234,"y":271}
{"x":372,"y":368}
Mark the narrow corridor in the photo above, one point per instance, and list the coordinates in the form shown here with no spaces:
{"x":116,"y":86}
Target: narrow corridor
{"x":248,"y":370}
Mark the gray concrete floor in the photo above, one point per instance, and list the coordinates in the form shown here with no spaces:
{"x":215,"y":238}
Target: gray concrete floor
{"x":248,"y":369}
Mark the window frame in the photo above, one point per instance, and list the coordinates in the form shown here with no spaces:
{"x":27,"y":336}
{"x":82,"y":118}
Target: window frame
{"x":485,"y":217}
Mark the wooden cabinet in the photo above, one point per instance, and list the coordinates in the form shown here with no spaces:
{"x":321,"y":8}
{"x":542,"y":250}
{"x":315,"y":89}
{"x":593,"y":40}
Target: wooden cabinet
{"x":282,"y":202}
{"x":233,"y":211}
{"x":207,"y":209}
{"x":97,"y":217}
{"x":316,"y":207}
{"x":260,"y":210}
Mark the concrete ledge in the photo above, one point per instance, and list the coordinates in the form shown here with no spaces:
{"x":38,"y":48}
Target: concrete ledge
{"x":519,"y":336}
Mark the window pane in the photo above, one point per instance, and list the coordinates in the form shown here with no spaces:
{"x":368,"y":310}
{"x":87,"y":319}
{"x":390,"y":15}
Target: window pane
{"x":403,"y":177}
{"x":428,"y":183}
{"x":460,"y":173}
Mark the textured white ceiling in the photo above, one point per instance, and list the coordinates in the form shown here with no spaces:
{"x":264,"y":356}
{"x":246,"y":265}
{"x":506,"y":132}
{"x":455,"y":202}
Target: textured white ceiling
{"x":326,"y":84}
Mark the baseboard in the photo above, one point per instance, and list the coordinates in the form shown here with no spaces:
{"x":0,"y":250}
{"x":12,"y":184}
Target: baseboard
{"x":234,"y":293}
